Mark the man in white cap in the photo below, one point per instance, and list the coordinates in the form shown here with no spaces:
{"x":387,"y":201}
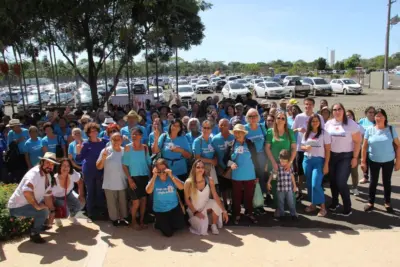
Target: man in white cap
{"x":27,"y":199}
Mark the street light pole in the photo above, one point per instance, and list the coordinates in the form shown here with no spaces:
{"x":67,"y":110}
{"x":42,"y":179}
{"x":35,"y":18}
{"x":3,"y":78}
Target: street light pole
{"x":386,"y":65}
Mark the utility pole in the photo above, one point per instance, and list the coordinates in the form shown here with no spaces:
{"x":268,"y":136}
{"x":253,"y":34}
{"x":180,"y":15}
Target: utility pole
{"x":388,"y":23}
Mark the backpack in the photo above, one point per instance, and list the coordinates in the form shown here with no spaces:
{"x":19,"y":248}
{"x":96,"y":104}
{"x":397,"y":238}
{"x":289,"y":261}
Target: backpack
{"x":12,"y":157}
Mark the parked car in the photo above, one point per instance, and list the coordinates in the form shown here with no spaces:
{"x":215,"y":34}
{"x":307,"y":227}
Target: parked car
{"x":218,"y":85}
{"x":270,"y":90}
{"x":153,"y":91}
{"x":65,"y":99}
{"x":232,"y":90}
{"x":139,"y":88}
{"x":296,"y":87}
{"x":121,"y":91}
{"x":318,"y":86}
{"x":231,"y":78}
{"x":193,"y":82}
{"x":86,"y":101}
{"x":346,"y":86}
{"x":186,"y":93}
{"x":203,"y":86}
{"x":291,"y":78}
{"x":31,"y":103}
{"x":16,"y":96}
{"x":244,"y":82}
{"x":280,"y":76}
{"x":254,"y":82}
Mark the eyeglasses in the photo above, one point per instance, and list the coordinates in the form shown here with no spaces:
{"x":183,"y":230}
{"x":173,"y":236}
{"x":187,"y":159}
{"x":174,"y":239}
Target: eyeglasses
{"x":199,"y":167}
{"x":281,"y":118}
{"x":161,"y":172}
{"x":252,"y":116}
{"x":206,"y":128}
{"x":337,"y":109}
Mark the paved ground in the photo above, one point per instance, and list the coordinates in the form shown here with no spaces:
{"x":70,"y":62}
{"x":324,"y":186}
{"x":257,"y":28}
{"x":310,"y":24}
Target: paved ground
{"x":365,"y":239}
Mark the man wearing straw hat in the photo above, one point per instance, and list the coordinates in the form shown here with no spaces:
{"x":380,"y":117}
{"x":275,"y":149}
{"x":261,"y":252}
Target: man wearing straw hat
{"x":27,"y":199}
{"x":133,"y":120}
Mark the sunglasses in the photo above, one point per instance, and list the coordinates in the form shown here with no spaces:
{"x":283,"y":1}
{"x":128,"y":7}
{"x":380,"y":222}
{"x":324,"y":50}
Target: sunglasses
{"x":206,"y":128}
{"x":161,"y":172}
{"x":252,"y":116}
{"x":337,"y":109}
{"x":199,"y":167}
{"x":281,"y":118}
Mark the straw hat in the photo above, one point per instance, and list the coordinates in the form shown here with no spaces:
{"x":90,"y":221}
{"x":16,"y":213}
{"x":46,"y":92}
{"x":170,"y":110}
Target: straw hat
{"x":51,"y":157}
{"x":108,"y":121}
{"x":239,"y":128}
{"x":133,"y":114}
{"x":14,"y":122}
{"x":293,"y":101}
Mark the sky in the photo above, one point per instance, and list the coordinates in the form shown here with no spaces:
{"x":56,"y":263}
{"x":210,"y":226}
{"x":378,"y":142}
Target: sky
{"x":251,"y":31}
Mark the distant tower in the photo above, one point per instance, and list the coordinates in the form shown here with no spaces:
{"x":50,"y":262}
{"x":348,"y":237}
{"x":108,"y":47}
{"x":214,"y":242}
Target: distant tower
{"x":332,"y":58}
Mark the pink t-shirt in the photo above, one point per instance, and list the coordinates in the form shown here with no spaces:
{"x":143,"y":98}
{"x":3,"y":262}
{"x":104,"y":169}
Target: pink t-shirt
{"x":341,"y":135}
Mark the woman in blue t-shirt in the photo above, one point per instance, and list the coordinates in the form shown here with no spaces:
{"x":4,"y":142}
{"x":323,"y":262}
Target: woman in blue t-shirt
{"x":203,"y":150}
{"x":136,"y":163}
{"x":166,"y":203}
{"x":194,"y":130}
{"x":379,"y":150}
{"x":78,"y":139}
{"x":33,"y":148}
{"x":367,"y":122}
{"x":156,"y":126}
{"x":174,"y":148}
{"x":51,"y":141}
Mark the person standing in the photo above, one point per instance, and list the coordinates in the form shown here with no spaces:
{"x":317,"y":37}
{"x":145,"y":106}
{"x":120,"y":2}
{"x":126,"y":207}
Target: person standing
{"x":33,"y":148}
{"x":16,"y":139}
{"x":381,"y":148}
{"x":367,"y":122}
{"x":133,"y":120}
{"x":316,"y":144}
{"x":345,"y":149}
{"x":239,"y":109}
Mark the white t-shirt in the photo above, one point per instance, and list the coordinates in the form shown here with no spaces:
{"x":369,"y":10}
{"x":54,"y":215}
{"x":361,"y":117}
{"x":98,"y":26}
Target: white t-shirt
{"x":33,"y":177}
{"x":58,"y":191}
{"x":317,"y":144}
{"x":301,"y":121}
{"x":341,"y":135}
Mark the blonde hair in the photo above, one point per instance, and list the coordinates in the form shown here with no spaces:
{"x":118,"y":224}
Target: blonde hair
{"x":252,"y":110}
{"x":191,"y":180}
{"x":276,"y":132}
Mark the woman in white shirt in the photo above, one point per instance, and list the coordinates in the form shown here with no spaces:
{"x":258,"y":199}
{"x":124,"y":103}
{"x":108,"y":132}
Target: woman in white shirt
{"x":63,"y":190}
{"x":345,"y":149}
{"x":203,"y":201}
{"x":316,"y":144}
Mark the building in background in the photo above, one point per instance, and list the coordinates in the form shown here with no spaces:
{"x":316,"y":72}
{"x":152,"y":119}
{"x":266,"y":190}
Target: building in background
{"x":332,"y":58}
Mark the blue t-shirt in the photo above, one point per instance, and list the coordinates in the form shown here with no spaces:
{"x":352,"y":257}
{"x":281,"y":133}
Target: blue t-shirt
{"x":164,"y":195}
{"x":203,"y":148}
{"x":13,"y":136}
{"x":290,"y":121}
{"x":34,"y":150}
{"x":176,"y":161}
{"x":138,"y":162}
{"x":258,"y":136}
{"x":72,"y":151}
{"x":380,"y":144}
{"x":365,"y":123}
{"x":51,"y":144}
{"x":215,"y":130}
{"x":222,"y":114}
{"x":125,"y":131}
{"x":220,"y":145}
{"x":190,"y":138}
{"x":3,"y":147}
{"x":58,"y":131}
{"x":242,"y":157}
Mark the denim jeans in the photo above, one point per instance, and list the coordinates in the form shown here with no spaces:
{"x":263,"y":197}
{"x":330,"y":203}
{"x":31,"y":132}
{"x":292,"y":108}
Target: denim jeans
{"x":94,"y":192}
{"x":313,"y":170}
{"x":339,"y":172}
{"x":387,"y":170}
{"x":288,"y":196}
{"x":73,"y":203}
{"x":39,"y":216}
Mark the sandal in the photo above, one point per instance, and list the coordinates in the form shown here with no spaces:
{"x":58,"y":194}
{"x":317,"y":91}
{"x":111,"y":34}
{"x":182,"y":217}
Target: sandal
{"x":310,"y":209}
{"x":252,"y":219}
{"x":236,"y":221}
{"x":322,"y":213}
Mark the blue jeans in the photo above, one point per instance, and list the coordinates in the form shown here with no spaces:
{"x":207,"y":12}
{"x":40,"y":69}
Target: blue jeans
{"x":94,"y":191}
{"x":339,"y":172}
{"x":260,"y":171}
{"x":288,"y":196}
{"x":73,"y":203}
{"x":39,"y":216}
{"x":313,"y":170}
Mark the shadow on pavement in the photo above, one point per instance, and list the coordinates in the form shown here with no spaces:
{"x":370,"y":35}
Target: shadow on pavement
{"x":65,"y":239}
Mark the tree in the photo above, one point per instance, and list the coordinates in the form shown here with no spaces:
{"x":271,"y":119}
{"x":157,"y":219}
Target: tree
{"x":352,"y":62}
{"x":320,"y":63}
{"x":339,"y":65}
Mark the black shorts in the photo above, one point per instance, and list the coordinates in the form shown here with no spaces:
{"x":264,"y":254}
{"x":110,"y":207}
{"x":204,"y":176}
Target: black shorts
{"x":299,"y":162}
{"x":140,"y":191}
{"x":224,"y":184}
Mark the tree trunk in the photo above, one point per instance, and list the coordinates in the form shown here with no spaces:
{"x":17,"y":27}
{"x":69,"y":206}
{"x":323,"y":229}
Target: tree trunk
{"x":23,"y":73}
{"x":19,"y":79}
{"x":9,"y":84}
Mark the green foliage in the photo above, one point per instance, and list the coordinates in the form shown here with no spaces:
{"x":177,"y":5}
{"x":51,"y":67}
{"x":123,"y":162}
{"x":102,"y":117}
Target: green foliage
{"x":350,"y":73}
{"x":11,"y":227}
{"x":352,"y":62}
{"x":320,"y":63}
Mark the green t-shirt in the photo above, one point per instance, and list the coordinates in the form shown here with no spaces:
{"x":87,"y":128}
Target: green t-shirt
{"x":284,"y":142}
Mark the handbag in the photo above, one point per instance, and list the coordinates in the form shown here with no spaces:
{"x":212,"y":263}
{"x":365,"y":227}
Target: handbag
{"x":61,"y":212}
{"x":258,"y":198}
{"x":59,"y":150}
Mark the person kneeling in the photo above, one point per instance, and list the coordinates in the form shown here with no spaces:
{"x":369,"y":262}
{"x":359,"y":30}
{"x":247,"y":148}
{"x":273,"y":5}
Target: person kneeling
{"x":198,"y":190}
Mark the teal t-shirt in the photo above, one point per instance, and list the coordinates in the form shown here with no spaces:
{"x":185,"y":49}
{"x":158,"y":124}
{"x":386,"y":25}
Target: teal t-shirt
{"x":242,"y":157}
{"x":203,"y":148}
{"x":164,"y":195}
{"x":34,"y":150}
{"x":51,"y":144}
{"x":138,"y":162}
{"x":257,"y":136}
{"x":380,"y":144}
{"x":176,"y":162}
{"x":220,"y":145}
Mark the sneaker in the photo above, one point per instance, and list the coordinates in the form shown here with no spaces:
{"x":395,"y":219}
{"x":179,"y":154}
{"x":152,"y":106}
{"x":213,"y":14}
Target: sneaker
{"x":346,"y":213}
{"x":220,"y":224}
{"x":58,"y":222}
{"x":115,"y":223}
{"x":355,"y":192}
{"x":214,"y":229}
{"x":333,"y":207}
{"x":73,"y":220}
{"x":123,"y":222}
{"x":364,"y":181}
{"x":36,"y":238}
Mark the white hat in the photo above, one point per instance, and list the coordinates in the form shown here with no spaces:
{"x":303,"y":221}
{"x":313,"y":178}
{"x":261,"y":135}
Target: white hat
{"x":239,"y":128}
{"x":14,"y":122}
{"x":108,"y":121}
{"x":49,"y":156}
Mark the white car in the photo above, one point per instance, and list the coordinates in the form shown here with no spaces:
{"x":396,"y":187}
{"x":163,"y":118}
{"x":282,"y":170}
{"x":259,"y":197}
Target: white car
{"x":186,"y":93}
{"x":318,"y":86}
{"x":193,"y":82}
{"x":244,"y":82}
{"x":346,"y":86}
{"x":203,"y":86}
{"x":153,"y":91}
{"x":289,"y":78}
{"x":232,"y":90}
{"x":270,"y":89}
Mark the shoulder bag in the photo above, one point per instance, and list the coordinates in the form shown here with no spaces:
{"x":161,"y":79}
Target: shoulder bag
{"x":394,"y":144}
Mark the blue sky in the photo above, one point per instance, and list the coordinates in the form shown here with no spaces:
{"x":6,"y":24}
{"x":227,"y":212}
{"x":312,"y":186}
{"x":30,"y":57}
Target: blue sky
{"x":266,"y":30}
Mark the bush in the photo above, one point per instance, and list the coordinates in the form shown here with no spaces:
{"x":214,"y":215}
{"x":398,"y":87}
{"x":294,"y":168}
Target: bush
{"x":11,"y":227}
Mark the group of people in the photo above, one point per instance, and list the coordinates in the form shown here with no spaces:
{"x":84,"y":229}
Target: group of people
{"x":196,"y":166}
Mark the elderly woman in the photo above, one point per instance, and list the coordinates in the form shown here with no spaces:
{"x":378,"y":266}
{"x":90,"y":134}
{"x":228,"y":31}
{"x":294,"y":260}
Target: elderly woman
{"x":174,"y":148}
{"x":114,"y":181}
{"x":241,"y":157}
{"x":52,"y":142}
{"x":133,"y":120}
{"x":136,"y":165}
{"x":63,"y":191}
{"x":33,"y":148}
{"x":156,"y":127}
{"x":325,"y":113}
{"x":194,"y":130}
{"x":27,"y":199}
{"x":202,"y":200}
{"x":77,"y":137}
{"x":381,"y":148}
{"x":62,"y":129}
{"x":166,"y":203}
{"x":257,"y":133}
{"x":88,"y":152}
{"x":345,"y":149}
{"x":85,"y":119}
{"x":279,"y":138}
{"x":107,"y":121}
